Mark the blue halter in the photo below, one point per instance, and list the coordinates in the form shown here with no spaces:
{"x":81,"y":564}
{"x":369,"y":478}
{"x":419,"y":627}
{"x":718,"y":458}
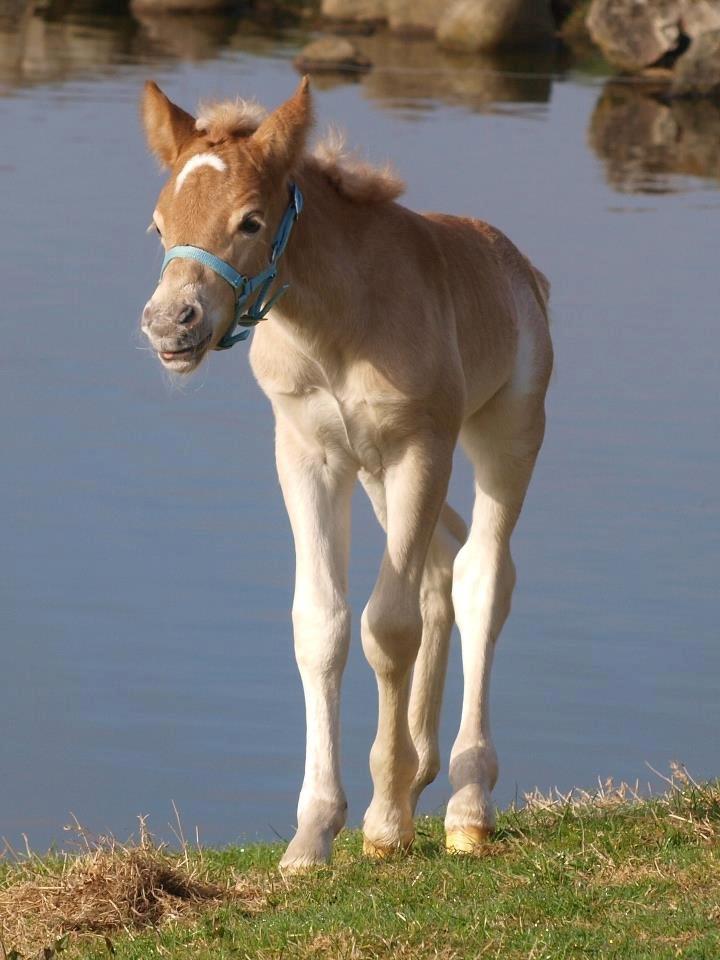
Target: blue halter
{"x":244,"y":287}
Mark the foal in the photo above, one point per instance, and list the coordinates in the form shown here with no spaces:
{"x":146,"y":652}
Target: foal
{"x":399,"y":333}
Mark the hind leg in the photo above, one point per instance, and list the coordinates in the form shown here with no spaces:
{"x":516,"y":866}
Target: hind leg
{"x":502,"y":442}
{"x":391,"y":631}
{"x":438,"y":617}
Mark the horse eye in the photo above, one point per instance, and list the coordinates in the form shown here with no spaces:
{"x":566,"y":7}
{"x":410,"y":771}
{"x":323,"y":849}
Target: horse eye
{"x":250,"y":225}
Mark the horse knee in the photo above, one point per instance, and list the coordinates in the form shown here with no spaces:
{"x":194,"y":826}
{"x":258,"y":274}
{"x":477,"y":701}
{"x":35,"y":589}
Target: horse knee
{"x":391,"y":635}
{"x":322,"y":633}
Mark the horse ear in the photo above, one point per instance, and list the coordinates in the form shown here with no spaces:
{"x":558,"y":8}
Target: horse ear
{"x":167,"y":127}
{"x":281,"y":136}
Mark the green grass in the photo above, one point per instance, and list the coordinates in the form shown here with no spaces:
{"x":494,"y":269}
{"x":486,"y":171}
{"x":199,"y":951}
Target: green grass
{"x":603,"y":877}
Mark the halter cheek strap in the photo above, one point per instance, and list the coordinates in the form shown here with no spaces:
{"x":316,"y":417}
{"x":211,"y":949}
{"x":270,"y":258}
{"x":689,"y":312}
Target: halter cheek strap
{"x":244,"y":287}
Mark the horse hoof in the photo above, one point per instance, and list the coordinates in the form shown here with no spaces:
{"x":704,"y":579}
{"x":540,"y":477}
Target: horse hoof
{"x":383,"y":851}
{"x":466,"y":839}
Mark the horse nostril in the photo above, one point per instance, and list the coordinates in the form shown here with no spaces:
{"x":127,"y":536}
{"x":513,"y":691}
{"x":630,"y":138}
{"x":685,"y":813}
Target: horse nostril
{"x":187,"y":314}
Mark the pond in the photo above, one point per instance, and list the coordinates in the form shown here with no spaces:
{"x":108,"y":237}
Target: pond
{"x":146,"y":563}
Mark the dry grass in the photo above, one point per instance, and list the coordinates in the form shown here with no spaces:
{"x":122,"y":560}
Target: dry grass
{"x":690,"y":805}
{"x":608,"y":873}
{"x":107,"y":888}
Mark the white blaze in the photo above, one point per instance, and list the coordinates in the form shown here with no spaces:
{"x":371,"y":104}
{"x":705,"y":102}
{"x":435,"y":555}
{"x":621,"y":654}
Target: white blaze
{"x":199,"y":160}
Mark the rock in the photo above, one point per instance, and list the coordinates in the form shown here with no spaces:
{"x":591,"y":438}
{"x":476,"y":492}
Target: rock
{"x":419,"y":17}
{"x":700,"y":16}
{"x":634,"y":34}
{"x":331,"y":54}
{"x":575,"y":33}
{"x":178,"y":6}
{"x":697,"y":72}
{"x":363,"y":10}
{"x":475,"y":25}
{"x":561,"y":9}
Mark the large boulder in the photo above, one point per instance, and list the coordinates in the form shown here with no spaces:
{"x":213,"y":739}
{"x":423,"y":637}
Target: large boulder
{"x":575,"y":34}
{"x":179,"y":6}
{"x":480,"y":25}
{"x":331,"y":55}
{"x":416,"y":16}
{"x":561,"y":9}
{"x":697,"y":72}
{"x":360,"y":10}
{"x":700,"y":16}
{"x":634,"y":34}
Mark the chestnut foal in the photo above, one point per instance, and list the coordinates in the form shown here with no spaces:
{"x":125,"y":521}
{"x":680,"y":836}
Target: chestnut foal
{"x":399,"y":333}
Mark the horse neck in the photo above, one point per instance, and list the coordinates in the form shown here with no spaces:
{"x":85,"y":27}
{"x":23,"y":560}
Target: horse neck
{"x":335,"y":247}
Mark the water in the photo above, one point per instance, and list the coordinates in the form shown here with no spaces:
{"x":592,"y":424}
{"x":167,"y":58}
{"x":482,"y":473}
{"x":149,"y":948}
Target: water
{"x":146,"y":564}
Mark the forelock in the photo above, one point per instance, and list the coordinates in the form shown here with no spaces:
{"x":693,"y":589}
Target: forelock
{"x":231,"y":118}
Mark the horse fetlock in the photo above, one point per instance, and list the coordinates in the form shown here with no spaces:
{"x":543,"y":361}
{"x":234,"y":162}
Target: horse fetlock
{"x":319,"y":822}
{"x":309,"y":848}
{"x":387,"y":828}
{"x":321,"y":814}
{"x":470,"y":807}
{"x":473,"y":763}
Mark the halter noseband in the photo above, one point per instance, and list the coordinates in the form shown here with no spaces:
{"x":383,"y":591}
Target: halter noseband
{"x":244,"y":287}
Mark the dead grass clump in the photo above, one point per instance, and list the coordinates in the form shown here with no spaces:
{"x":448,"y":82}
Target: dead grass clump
{"x":607,"y":796}
{"x":691,"y":806}
{"x":109,"y":887}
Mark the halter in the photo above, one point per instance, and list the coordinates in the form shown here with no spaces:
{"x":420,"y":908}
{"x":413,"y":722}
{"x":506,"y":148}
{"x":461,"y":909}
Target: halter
{"x":244,"y":287}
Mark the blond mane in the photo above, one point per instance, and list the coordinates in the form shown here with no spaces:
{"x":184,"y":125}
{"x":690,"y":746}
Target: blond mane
{"x":353,"y":178}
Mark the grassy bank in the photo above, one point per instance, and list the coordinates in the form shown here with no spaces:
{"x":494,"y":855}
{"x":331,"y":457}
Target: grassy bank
{"x":605,"y":876}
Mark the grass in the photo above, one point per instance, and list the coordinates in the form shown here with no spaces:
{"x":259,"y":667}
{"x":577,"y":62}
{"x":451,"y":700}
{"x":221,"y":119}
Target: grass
{"x":608,"y":875}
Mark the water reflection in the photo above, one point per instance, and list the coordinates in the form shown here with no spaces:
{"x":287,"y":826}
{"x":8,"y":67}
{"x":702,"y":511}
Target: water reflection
{"x":58,"y":42}
{"x":177,"y":38}
{"x":646,"y":143}
{"x":410,"y":74}
{"x":67,"y":38}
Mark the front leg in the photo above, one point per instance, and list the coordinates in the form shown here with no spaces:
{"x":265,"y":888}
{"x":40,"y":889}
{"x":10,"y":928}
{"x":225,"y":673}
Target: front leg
{"x":318,"y":493}
{"x":415,"y":489}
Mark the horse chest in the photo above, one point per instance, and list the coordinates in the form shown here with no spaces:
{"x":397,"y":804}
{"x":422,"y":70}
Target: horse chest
{"x":343,"y":425}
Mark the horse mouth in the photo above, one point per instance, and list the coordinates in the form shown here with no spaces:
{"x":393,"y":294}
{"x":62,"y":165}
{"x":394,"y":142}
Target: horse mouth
{"x":185,"y":354}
